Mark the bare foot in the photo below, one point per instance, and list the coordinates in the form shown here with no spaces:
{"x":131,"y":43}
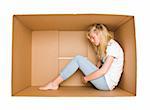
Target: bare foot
{"x":49,"y":86}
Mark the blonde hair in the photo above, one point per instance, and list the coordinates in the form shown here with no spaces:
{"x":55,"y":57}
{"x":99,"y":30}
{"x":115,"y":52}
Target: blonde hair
{"x":105,"y":37}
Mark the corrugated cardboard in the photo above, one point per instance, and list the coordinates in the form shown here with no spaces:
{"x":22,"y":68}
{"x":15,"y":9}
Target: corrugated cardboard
{"x":44,"y":44}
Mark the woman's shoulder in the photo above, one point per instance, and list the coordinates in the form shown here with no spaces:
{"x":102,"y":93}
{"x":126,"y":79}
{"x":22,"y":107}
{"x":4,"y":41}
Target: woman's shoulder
{"x":113,"y":44}
{"x":114,"y":49}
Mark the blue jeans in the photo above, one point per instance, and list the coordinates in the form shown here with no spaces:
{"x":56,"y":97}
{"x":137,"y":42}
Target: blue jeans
{"x":87,"y":68}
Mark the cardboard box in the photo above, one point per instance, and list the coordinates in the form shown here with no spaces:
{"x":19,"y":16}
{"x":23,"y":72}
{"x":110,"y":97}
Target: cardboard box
{"x":44,"y":44}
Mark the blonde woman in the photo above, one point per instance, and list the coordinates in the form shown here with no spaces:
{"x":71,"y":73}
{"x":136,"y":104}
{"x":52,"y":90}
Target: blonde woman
{"x":106,"y":74}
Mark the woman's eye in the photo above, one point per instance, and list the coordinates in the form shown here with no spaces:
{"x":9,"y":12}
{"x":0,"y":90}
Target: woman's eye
{"x":91,"y":37}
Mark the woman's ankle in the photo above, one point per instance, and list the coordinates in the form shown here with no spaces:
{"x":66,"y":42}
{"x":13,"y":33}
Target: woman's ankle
{"x":54,"y":84}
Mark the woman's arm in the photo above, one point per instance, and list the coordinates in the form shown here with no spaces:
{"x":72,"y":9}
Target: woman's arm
{"x":102,"y":71}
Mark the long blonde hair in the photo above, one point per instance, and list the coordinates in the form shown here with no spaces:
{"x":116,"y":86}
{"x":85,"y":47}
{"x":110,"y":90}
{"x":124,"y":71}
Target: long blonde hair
{"x":105,"y":37}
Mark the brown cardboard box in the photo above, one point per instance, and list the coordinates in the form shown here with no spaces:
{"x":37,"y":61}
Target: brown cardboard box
{"x":44,"y":44}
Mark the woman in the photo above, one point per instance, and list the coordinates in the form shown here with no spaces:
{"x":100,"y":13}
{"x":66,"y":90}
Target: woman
{"x":104,"y":76}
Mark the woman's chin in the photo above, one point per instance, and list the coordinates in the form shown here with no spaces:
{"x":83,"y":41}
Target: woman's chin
{"x":97,"y":44}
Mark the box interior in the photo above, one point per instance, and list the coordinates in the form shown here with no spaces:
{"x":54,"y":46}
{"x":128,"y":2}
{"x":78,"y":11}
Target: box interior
{"x":44,"y":44}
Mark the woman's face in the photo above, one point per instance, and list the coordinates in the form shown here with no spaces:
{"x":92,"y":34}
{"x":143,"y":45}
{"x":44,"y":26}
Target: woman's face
{"x":94,"y":38}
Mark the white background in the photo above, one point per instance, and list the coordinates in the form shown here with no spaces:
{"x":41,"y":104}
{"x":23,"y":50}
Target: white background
{"x":138,"y":8}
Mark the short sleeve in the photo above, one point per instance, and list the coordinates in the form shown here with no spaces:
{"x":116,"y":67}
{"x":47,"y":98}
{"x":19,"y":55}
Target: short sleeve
{"x":112,"y":50}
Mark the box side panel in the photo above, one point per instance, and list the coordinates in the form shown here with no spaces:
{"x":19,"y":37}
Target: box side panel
{"x":74,"y":91}
{"x":44,"y":56}
{"x":125,"y":35}
{"x":21,"y":56}
{"x":67,"y":22}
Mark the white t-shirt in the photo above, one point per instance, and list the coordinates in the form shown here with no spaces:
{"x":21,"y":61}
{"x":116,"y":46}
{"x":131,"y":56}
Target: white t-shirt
{"x":114,"y":73}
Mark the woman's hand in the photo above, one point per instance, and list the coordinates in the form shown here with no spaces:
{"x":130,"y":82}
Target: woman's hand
{"x":84,"y":80}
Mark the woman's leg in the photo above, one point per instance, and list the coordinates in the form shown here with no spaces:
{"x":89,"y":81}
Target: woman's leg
{"x":85,"y":66}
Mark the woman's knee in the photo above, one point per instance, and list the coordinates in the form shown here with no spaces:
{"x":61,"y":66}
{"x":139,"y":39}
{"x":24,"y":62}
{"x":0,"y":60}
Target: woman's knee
{"x":79,"y":57}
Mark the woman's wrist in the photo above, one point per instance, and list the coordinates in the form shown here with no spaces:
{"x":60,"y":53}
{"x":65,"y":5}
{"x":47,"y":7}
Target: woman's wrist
{"x":85,"y":78}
